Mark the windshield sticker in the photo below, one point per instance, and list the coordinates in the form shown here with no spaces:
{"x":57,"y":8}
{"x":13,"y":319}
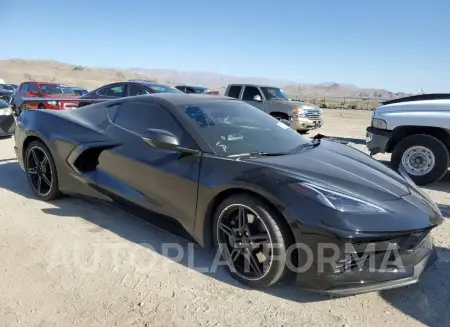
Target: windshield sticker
{"x":222,"y":146}
{"x":282,"y":125}
{"x":199,"y":115}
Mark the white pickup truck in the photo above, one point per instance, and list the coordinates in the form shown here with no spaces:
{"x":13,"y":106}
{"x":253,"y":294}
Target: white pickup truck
{"x":416,"y":130}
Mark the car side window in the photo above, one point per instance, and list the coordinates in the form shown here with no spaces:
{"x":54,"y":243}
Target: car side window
{"x":138,"y":117}
{"x":181,"y":88}
{"x":190,"y":90}
{"x":250,"y":92}
{"x":25,"y":87}
{"x":138,"y":90}
{"x":234,"y":91}
{"x":116,"y":90}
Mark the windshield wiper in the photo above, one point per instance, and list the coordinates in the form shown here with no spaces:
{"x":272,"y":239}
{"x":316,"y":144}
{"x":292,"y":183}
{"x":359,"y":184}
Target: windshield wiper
{"x":257,"y":154}
{"x":314,"y":143}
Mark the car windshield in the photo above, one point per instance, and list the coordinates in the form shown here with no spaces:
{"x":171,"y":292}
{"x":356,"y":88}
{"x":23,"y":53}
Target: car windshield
{"x":56,"y":89}
{"x":164,"y":89}
{"x":234,"y":127}
{"x":274,"y":93}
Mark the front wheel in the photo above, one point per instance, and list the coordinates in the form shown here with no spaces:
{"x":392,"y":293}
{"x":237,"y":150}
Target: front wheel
{"x":424,"y":157}
{"x":41,"y":171}
{"x":252,"y":240}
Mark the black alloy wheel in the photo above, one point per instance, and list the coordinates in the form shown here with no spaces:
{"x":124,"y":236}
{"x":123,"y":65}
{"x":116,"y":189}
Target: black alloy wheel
{"x":41,"y":171}
{"x":249,"y":237}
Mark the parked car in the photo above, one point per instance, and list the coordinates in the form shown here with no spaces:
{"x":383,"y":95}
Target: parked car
{"x":8,"y":87}
{"x":124,"y":89}
{"x":196,"y":89}
{"x":7,"y":123}
{"x":416,"y":130}
{"x":303,"y":116}
{"x":6,"y":94}
{"x":45,"y":93}
{"x":198,"y":161}
{"x":79,"y":90}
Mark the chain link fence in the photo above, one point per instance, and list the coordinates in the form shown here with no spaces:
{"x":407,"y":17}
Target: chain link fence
{"x":349,"y":103}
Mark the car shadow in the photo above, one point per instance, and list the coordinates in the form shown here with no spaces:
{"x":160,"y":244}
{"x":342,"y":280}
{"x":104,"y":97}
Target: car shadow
{"x":443,"y":185}
{"x":427,"y":301}
{"x":145,"y":234}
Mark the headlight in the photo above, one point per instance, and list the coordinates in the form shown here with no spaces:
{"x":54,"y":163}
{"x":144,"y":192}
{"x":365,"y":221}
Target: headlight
{"x":5,"y":111}
{"x":298,"y":112}
{"x":338,"y":201}
{"x":52,"y":103}
{"x":379,"y":123}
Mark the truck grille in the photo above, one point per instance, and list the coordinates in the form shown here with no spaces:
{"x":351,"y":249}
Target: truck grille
{"x":313,"y":114}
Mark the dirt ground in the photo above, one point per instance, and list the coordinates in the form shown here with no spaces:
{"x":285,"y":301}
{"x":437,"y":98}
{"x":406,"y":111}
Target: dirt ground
{"x":71,"y":263}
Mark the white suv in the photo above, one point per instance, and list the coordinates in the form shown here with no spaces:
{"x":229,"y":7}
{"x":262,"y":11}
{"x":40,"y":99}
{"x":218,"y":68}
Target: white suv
{"x":416,"y":130}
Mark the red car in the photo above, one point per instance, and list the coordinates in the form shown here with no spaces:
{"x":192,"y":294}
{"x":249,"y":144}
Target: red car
{"x":44,"y":90}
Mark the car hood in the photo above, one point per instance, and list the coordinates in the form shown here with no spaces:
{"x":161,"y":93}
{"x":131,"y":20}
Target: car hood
{"x":340,"y":167}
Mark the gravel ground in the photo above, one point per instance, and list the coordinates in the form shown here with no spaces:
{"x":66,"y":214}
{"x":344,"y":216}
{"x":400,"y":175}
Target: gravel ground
{"x":70,"y":262}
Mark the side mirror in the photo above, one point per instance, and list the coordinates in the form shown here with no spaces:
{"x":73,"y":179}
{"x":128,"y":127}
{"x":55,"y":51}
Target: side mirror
{"x":257,"y":98}
{"x":162,"y":139}
{"x":34,"y":92}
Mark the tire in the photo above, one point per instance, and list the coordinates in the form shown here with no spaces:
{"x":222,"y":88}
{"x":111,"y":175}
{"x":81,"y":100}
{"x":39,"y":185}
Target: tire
{"x":302,"y":132}
{"x":427,"y":142}
{"x":41,"y":106}
{"x":49,"y":187}
{"x":277,"y":233}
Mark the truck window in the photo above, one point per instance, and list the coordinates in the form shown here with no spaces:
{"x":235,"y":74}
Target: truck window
{"x":25,"y":87}
{"x":234,"y":91}
{"x":249,"y":93}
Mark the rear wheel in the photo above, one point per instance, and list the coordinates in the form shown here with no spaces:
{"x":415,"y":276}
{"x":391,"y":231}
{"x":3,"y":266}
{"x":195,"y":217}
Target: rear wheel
{"x":424,"y":157}
{"x":41,"y":106}
{"x":41,"y":171}
{"x":252,"y":239}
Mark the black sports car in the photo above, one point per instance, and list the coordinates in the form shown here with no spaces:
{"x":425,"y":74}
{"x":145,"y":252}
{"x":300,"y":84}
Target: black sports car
{"x":272,"y":201}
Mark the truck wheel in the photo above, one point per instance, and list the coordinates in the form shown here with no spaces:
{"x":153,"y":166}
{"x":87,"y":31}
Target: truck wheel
{"x":424,"y":157}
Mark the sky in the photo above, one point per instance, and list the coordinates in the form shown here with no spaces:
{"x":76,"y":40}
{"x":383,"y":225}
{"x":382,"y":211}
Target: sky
{"x":400,"y":45}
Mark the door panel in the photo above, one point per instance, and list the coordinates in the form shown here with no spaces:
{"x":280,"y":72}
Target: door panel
{"x":29,"y":94}
{"x":159,"y":180}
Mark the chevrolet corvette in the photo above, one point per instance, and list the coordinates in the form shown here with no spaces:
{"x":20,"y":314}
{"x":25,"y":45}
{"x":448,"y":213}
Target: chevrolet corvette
{"x":271,"y":201}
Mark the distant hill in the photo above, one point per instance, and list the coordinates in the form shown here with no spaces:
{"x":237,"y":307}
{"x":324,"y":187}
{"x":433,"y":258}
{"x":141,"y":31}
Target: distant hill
{"x":18,"y":70}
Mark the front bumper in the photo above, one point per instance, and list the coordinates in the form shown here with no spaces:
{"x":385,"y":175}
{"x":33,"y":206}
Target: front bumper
{"x":375,"y":269}
{"x":304,"y":124}
{"x":411,"y":276}
{"x":7,"y":125}
{"x":377,"y":140}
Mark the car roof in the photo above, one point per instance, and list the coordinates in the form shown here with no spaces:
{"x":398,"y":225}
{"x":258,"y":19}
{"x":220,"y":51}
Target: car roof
{"x":255,"y":85}
{"x":179,"y":98}
{"x":37,"y":82}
